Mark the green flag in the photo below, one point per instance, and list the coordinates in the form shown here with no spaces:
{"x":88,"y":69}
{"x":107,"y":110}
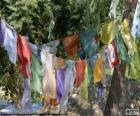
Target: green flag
{"x":123,"y":54}
{"x":36,"y":70}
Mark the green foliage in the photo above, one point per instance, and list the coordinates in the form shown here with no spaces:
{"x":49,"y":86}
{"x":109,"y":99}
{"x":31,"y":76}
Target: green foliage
{"x":10,"y":80}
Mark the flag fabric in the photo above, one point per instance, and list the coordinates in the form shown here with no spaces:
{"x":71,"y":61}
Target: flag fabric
{"x":128,"y":38}
{"x":71,"y":45}
{"x":107,"y":32}
{"x":83,"y":91}
{"x":36,"y":70}
{"x":24,"y":56}
{"x":60,"y":78}
{"x":98,"y":70}
{"x":50,"y":47}
{"x":122,"y":50}
{"x":80,"y":72}
{"x":100,"y":90}
{"x":112,"y":54}
{"x":70,"y":75}
{"x":26,"y":99}
{"x":8,"y":38}
{"x":48,"y":81}
{"x":135,"y":31}
{"x":88,"y":41}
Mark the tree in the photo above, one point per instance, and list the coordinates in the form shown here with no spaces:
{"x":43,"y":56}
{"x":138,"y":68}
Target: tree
{"x":112,"y":107}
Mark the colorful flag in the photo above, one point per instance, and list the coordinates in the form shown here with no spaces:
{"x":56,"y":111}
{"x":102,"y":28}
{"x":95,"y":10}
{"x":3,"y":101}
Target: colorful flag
{"x":88,"y":41}
{"x":71,"y":45}
{"x":127,"y":37}
{"x":80,"y":72}
{"x":98,"y":70}
{"x":70,"y":75}
{"x":83,"y":91}
{"x":112,"y":54}
{"x":136,"y":22}
{"x":24,"y":56}
{"x":26,"y":99}
{"x":48,"y":81}
{"x":36,"y":70}
{"x":100,"y":90}
{"x":107,"y":32}
{"x":123,"y":53}
{"x":60,"y":78}
{"x":8,"y":38}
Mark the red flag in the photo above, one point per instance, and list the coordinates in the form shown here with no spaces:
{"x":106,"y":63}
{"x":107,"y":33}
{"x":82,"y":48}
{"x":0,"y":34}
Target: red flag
{"x":24,"y":56}
{"x":80,"y":72}
{"x":112,"y":54}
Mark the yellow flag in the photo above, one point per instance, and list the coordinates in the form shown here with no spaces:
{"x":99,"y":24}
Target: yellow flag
{"x":83,"y":92}
{"x":98,"y":70}
{"x":53,"y":85}
{"x":107,"y":32}
{"x":127,"y":37}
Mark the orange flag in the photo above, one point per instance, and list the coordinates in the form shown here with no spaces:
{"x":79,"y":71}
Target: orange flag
{"x":71,"y":45}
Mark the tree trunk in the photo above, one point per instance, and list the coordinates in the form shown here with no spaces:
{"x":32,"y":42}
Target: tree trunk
{"x":112,"y":106}
{"x":115,"y":93}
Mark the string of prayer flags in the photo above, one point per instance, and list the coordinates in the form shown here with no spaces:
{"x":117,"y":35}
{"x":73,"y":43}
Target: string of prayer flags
{"x":59,"y":75}
{"x":8,"y":38}
{"x":83,"y":91}
{"x":127,"y":37}
{"x":107,"y":32}
{"x":121,"y":47}
{"x":60,"y":78}
{"x":112,"y":54}
{"x":136,"y":22}
{"x":88,"y":41}
{"x":49,"y":82}
{"x":36,"y":74}
{"x":80,"y":72}
{"x":98,"y":70}
{"x":24,"y":56}
{"x":71,"y":45}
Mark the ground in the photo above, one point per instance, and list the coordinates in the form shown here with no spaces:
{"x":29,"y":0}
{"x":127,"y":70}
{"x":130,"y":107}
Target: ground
{"x":95,"y":106}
